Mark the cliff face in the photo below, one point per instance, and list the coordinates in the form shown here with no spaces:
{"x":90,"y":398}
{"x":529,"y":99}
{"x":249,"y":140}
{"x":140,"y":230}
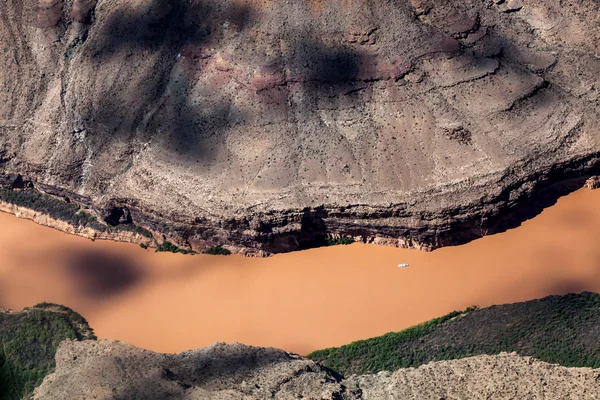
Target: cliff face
{"x":114,"y":370}
{"x":265,"y":125}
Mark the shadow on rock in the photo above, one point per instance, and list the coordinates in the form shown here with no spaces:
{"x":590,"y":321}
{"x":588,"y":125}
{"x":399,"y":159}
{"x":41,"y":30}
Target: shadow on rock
{"x":224,"y":365}
{"x":168,"y":25}
{"x":156,"y":47}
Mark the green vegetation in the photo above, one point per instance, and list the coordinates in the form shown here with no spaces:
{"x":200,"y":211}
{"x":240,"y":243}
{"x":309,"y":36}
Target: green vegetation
{"x":144,"y":246}
{"x":171,"y":248}
{"x":334,"y":241}
{"x":217,"y":251}
{"x":62,"y":210}
{"x":131,"y":228}
{"x":28,"y":343}
{"x":556,"y":329}
{"x":56,"y":208}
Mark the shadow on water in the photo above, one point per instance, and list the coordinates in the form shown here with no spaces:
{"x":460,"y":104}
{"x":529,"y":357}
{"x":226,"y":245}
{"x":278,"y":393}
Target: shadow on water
{"x":579,"y":285}
{"x":545,"y":278}
{"x":100,"y":274}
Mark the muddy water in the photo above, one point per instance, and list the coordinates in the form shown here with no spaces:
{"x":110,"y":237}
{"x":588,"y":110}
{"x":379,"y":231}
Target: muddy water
{"x":300,"y":301}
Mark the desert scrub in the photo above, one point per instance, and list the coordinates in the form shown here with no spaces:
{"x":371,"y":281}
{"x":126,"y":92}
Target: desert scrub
{"x":131,"y":228}
{"x":28,"y":343}
{"x":217,"y":251}
{"x":171,"y":248}
{"x":334,"y":241}
{"x":63,"y":211}
{"x":556,"y":329}
{"x":55,"y":208}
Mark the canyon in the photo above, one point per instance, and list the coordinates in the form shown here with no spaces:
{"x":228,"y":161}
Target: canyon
{"x":267,"y":126}
{"x":298,"y":301}
{"x":49,"y":351}
{"x":458,"y":140}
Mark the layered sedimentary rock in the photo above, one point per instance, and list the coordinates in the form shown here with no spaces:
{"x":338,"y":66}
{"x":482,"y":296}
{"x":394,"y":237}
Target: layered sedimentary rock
{"x":265,"y":125}
{"x":113,"y":370}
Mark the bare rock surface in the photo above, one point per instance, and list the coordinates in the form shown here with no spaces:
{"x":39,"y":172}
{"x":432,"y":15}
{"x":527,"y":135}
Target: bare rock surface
{"x":114,"y":370}
{"x":593,"y":182}
{"x":265,"y":125}
{"x":503,"y":376}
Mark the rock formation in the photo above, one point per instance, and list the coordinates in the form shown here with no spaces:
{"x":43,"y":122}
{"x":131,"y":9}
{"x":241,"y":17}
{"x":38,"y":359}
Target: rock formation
{"x":114,"y":370}
{"x":266,"y":125}
{"x":593,"y":182}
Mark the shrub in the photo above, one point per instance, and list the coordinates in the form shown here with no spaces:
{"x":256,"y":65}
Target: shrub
{"x":63,"y":210}
{"x":131,"y":227}
{"x":171,"y":248}
{"x":334,"y":241}
{"x":28,"y":343}
{"x":217,"y":251}
{"x":556,"y":329}
{"x":56,"y":208}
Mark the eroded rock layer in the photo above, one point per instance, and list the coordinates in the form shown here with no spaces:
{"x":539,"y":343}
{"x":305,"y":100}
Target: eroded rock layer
{"x":265,"y":125}
{"x":114,"y":370}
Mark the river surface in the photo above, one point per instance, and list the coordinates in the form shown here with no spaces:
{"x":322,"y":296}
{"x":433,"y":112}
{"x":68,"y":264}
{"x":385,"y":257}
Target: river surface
{"x":300,"y":301}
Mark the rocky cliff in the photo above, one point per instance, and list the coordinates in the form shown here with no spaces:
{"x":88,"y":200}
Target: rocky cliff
{"x":266,"y":125}
{"x":114,"y":370}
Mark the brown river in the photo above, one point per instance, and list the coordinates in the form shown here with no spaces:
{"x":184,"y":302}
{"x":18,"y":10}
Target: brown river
{"x":299,"y":301}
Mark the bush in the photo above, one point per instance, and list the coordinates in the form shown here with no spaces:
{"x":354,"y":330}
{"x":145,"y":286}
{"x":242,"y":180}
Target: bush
{"x":556,"y":329}
{"x":56,"y":208}
{"x":131,"y":227}
{"x":28,"y":343}
{"x":63,"y":211}
{"x":217,"y":251}
{"x":171,"y":248}
{"x":331,"y":241}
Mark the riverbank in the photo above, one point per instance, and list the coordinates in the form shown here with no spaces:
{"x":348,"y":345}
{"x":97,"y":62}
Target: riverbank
{"x":299,"y":301}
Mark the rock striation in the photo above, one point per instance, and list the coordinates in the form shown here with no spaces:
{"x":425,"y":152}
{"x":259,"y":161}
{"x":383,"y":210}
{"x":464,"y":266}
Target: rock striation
{"x":114,"y":370}
{"x":266,"y":125}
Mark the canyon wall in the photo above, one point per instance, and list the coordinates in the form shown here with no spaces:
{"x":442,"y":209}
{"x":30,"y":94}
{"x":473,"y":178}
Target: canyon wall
{"x":267,"y":125}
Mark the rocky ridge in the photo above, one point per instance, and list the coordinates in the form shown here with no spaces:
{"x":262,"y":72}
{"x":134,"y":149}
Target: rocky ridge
{"x":266,"y":126}
{"x":114,"y":370}
{"x":28,"y":343}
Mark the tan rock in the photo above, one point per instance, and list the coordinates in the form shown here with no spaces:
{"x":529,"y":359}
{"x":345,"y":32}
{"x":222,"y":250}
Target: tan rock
{"x":308,"y":114}
{"x":114,"y":370}
{"x":593,"y":182}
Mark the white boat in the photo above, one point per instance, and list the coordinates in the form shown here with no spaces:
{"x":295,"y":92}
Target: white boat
{"x":402,"y":265}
